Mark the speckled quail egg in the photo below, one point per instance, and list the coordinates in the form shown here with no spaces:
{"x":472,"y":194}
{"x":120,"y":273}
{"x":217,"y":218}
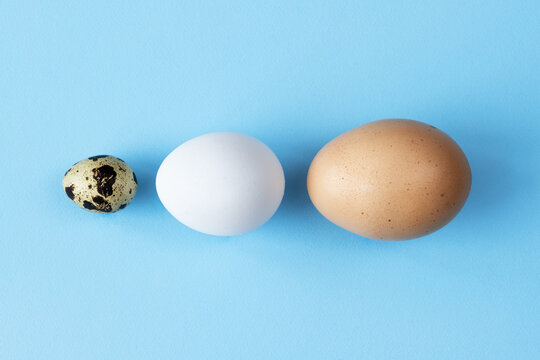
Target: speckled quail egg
{"x":100,"y":184}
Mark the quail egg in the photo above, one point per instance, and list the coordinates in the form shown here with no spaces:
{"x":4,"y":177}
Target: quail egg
{"x":100,"y":184}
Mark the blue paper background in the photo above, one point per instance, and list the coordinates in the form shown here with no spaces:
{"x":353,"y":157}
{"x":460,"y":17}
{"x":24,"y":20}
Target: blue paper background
{"x":135,"y":79}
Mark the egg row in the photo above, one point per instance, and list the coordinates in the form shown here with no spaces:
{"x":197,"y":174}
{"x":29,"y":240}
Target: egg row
{"x":391,"y":179}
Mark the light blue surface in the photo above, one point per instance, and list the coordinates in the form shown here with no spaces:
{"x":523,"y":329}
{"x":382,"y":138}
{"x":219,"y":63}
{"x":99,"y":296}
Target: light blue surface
{"x":135,"y":79}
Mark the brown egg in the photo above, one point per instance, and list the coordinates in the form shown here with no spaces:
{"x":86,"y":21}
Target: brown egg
{"x":390,"y":179}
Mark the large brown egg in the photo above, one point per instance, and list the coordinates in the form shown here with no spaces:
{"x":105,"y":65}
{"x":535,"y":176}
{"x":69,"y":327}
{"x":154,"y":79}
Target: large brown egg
{"x":390,"y":179}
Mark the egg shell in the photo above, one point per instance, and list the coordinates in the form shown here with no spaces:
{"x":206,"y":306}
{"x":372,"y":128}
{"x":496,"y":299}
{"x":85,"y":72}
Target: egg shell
{"x":221,"y":183}
{"x":391,"y":179}
{"x":100,"y":184}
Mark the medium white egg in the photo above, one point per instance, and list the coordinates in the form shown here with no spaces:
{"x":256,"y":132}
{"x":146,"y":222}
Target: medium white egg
{"x":221,"y":183}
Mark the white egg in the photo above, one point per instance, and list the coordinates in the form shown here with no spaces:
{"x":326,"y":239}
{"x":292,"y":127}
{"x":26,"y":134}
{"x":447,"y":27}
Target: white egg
{"x":221,"y":183}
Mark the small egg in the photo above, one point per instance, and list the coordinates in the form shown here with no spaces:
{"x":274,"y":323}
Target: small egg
{"x":100,"y":184}
{"x":391,"y":179}
{"x":221,"y":183}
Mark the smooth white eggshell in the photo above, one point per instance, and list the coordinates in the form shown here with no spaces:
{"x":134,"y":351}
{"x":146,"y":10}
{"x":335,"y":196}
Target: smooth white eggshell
{"x":221,"y":183}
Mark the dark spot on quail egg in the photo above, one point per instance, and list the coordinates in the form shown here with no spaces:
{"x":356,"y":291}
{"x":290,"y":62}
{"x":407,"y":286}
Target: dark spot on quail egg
{"x":97,"y":157}
{"x":102,"y":204}
{"x":88,"y":205}
{"x":105,"y":177}
{"x":69,"y":192}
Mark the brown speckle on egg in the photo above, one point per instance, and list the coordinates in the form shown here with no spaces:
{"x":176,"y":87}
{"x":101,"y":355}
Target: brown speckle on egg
{"x":69,"y":192}
{"x":105,"y":177}
{"x":97,"y":157}
{"x":88,"y":205}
